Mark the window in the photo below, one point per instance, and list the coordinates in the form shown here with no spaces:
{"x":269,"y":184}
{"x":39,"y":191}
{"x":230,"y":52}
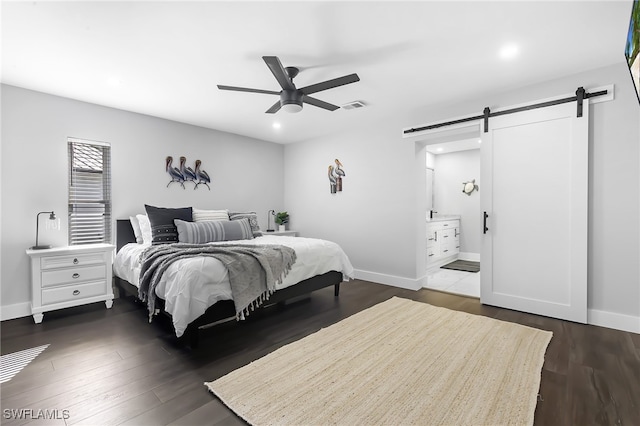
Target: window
{"x":89,"y":192}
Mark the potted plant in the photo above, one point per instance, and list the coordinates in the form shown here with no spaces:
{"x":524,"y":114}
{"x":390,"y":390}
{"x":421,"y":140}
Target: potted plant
{"x":282,"y":218}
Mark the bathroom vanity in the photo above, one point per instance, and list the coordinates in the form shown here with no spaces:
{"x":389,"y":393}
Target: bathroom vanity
{"x":443,"y":240}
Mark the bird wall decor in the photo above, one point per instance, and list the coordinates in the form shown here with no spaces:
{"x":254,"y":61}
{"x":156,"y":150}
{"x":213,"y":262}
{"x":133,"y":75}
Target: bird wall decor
{"x":185,"y":173}
{"x":340,"y":173}
{"x":335,"y":175}
{"x":332,"y":180}
{"x":174,"y":172}
{"x":202,"y":176}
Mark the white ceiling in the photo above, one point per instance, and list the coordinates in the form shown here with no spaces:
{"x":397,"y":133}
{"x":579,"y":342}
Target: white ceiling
{"x":165,"y":58}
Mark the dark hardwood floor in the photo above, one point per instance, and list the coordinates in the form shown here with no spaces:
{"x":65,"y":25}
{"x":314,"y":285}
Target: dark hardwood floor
{"x":109,"y":367}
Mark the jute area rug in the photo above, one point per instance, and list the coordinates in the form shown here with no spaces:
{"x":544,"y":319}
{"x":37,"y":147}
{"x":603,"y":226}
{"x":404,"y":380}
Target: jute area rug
{"x":400,"y":362}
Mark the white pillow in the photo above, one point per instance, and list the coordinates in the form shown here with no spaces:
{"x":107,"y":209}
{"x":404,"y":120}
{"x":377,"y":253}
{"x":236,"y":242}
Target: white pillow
{"x":145,"y":228}
{"x":136,"y":229}
{"x":205,"y":215}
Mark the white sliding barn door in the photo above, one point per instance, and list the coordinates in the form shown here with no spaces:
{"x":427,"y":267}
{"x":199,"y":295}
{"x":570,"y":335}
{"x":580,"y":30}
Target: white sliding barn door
{"x":534,"y":191}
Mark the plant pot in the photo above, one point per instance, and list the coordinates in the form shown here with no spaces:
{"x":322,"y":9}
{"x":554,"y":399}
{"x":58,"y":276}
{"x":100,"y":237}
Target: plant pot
{"x":282,"y":228}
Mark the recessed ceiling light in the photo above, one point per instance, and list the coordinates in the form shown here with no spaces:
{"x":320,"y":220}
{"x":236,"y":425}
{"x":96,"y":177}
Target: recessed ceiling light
{"x":276,"y":125}
{"x":479,"y":140}
{"x":439,"y":149}
{"x":509,"y":51}
{"x":114,"y":81}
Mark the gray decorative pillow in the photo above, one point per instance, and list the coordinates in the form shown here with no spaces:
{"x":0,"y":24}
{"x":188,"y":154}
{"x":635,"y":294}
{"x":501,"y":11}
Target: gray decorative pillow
{"x":213,"y":230}
{"x":163,"y":230}
{"x":253,"y":220}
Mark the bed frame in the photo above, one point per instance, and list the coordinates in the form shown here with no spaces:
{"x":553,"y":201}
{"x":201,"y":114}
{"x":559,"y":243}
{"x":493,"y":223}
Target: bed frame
{"x":223,"y":310}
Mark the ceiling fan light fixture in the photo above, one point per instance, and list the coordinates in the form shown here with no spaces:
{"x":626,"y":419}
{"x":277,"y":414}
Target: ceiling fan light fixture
{"x":292,"y":107}
{"x":291,"y":101}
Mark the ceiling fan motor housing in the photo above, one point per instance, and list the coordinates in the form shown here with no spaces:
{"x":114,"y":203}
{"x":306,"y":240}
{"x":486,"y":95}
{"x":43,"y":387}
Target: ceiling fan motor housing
{"x":291,"y":100}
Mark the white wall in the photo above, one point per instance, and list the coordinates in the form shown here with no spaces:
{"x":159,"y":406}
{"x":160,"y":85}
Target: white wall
{"x":373,"y":217}
{"x":247,"y":174}
{"x":380,"y":216}
{"x":450,"y":171}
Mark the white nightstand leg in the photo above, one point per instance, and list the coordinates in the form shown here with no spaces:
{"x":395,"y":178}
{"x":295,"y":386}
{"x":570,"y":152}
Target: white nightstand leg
{"x":109,"y":303}
{"x":37,"y":318}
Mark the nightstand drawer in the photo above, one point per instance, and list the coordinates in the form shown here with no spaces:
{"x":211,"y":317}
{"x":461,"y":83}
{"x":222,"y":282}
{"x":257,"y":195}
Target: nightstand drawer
{"x":72,"y":292}
{"x":73,"y":275}
{"x":80,"y":259}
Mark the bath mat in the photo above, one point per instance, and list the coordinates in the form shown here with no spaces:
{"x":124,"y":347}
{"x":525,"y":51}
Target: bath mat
{"x":463,"y":265}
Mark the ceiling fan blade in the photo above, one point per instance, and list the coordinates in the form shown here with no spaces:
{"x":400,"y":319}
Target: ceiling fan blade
{"x":320,"y":104}
{"x":274,"y":108}
{"x":279,"y":72}
{"x":245,"y":89}
{"x":330,"y":84}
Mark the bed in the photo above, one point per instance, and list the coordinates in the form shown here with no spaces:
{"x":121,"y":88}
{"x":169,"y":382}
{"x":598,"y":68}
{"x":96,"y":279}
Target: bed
{"x":195,"y":291}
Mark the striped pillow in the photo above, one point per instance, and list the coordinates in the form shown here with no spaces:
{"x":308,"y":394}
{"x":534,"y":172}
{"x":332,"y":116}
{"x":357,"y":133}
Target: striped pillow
{"x":213,"y":230}
{"x":253,"y":220}
{"x":203,"y":215}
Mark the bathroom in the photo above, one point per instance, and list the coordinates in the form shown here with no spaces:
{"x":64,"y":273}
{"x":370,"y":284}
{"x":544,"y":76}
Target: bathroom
{"x":453,"y":199}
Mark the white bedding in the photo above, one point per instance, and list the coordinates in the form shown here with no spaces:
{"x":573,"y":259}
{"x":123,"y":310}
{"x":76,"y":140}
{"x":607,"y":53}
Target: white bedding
{"x":190,"y":286}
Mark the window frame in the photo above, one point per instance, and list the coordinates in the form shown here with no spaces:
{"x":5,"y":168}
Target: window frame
{"x":89,"y":192}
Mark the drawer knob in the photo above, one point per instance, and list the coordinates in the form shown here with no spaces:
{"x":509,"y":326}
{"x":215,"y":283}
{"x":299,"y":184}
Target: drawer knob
{"x":75,"y":260}
{"x":76,"y":292}
{"x":76,"y":275}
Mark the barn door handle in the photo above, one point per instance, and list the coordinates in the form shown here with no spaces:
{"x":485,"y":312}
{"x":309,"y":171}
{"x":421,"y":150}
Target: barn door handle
{"x":484,"y":225}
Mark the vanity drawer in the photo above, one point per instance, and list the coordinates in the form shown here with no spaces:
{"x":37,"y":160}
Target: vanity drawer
{"x":72,"y":292}
{"x":447,"y":224}
{"x":73,"y":275}
{"x":80,"y":259}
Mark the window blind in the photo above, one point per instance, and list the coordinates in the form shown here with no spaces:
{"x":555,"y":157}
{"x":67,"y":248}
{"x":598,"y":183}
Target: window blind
{"x":89,"y":192}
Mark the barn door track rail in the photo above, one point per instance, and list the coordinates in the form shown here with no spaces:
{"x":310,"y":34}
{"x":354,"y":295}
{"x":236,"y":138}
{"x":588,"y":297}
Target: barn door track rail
{"x":579,"y":98}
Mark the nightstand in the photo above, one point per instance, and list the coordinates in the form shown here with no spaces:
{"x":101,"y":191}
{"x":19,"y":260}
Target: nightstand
{"x":62,"y":277}
{"x":286,"y":233}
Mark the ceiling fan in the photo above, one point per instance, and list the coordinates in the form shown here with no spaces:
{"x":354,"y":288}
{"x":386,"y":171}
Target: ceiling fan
{"x":292,"y":98}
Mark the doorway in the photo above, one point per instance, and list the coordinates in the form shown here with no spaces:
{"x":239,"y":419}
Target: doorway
{"x":452,"y":214}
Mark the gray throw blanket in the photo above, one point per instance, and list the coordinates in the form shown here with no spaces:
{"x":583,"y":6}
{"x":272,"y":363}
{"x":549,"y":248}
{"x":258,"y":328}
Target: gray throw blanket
{"x":254,"y":270}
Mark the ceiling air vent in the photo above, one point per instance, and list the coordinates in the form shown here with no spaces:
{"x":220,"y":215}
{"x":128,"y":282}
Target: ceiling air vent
{"x":353,"y":105}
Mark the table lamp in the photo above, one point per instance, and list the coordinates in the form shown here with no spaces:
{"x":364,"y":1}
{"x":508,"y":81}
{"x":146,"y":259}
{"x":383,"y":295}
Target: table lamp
{"x":52,"y":223}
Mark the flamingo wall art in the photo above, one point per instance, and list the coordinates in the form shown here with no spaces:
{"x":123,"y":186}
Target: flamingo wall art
{"x":184,"y":173}
{"x":335,"y":176}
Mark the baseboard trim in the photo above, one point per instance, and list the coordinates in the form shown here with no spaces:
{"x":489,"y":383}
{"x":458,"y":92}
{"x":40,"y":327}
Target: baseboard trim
{"x":613,"y":320}
{"x":471,"y":257}
{"x":14,"y":311}
{"x":392,"y":280}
